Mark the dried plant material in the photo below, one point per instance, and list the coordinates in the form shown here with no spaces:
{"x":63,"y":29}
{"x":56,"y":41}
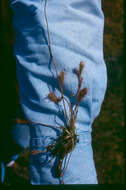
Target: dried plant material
{"x":67,"y":140}
{"x":61,"y":78}
{"x":81,"y":94}
{"x":62,"y":147}
{"x":20,"y":121}
{"x":36,"y":152}
{"x":81,"y":67}
{"x":80,"y":83}
{"x":53,"y":97}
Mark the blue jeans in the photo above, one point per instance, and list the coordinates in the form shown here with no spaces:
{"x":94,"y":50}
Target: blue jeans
{"x":76,"y":33}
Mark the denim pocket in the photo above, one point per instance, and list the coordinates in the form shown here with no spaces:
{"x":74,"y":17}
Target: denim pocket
{"x":40,"y":159}
{"x":84,"y":143}
{"x":43,"y":158}
{"x":40,"y":144}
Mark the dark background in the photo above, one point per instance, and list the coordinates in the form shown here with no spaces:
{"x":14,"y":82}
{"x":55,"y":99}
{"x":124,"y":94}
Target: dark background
{"x":108,"y":128}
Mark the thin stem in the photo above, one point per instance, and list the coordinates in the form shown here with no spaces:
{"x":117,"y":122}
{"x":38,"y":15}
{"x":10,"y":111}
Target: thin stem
{"x":76,"y":109}
{"x":49,"y":41}
{"x":19,"y":121}
{"x":53,"y":60}
{"x":69,"y":105}
{"x":67,"y":162}
{"x":67,"y":131}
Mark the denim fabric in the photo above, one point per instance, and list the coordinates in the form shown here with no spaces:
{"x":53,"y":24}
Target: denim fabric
{"x":76,"y":32}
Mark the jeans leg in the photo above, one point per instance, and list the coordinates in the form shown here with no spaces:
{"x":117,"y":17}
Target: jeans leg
{"x":76,"y":32}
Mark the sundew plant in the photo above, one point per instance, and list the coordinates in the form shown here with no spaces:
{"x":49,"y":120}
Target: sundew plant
{"x":66,"y":142}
